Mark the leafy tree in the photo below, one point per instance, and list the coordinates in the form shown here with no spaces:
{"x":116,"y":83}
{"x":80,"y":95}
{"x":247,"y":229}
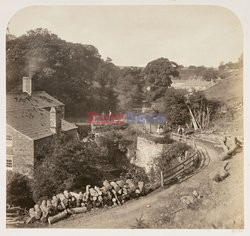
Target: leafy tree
{"x":130,"y":89}
{"x":158,"y":75}
{"x":211,"y":74}
{"x":65,"y":70}
{"x":176,"y":110}
{"x":18,"y":190}
{"x":105,"y":78}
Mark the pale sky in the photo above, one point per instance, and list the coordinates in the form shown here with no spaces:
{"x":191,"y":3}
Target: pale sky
{"x":136,"y":35}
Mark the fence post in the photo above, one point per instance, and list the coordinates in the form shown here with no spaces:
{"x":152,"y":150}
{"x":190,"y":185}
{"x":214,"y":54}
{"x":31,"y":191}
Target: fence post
{"x":162,"y":180}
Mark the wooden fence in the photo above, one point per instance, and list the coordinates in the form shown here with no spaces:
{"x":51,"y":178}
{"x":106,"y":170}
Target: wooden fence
{"x":174,"y":172}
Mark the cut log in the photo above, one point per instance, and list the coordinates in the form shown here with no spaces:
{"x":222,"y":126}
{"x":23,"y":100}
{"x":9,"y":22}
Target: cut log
{"x":77,"y":210}
{"x":66,"y":194}
{"x":120,"y":183}
{"x":32,"y":212}
{"x":107,"y":185}
{"x":115,"y":186}
{"x":38,"y":212}
{"x":120,"y":191}
{"x":97,"y":189}
{"x":137,"y":191}
{"x":59,"y":216}
{"x":87,"y":193}
{"x":63,"y":200}
{"x":131,"y":185}
{"x":141,"y":186}
{"x":114,"y":192}
{"x":55,"y":201}
{"x":104,"y":191}
{"x":93,"y":193}
{"x":100,"y":199}
{"x":30,"y":220}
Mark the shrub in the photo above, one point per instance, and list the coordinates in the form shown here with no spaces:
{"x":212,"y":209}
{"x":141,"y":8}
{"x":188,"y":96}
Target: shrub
{"x":170,"y":153}
{"x":114,"y":147}
{"x":18,"y":190}
{"x":167,"y":159}
{"x":83,"y":130}
{"x":69,"y":165}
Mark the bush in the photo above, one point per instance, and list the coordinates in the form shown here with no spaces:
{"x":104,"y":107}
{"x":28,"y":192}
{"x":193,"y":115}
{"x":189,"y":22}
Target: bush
{"x":18,"y":190}
{"x":167,"y":159}
{"x":83,"y":130}
{"x":69,"y":165}
{"x":169,"y":155}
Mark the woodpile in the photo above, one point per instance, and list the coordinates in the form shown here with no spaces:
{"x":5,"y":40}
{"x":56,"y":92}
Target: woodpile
{"x":67,"y":203}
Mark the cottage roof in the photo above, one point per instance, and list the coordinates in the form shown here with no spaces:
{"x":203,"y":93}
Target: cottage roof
{"x":38,"y":99}
{"x":34,"y":122}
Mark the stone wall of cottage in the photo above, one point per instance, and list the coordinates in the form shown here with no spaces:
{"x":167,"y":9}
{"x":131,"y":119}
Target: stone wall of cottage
{"x":146,"y":152}
{"x":23,"y":152}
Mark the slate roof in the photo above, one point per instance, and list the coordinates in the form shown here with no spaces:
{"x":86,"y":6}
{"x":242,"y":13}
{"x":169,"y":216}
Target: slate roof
{"x":27,"y":115}
{"x":38,"y":99}
{"x":34,"y":122}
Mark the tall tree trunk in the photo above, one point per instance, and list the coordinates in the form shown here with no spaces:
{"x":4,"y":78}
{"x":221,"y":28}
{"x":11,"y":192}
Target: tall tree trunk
{"x":193,"y":119}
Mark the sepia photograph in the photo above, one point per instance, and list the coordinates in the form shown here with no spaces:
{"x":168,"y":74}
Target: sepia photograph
{"x":124,"y":117}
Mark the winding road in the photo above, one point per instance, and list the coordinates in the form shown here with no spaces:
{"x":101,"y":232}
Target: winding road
{"x":148,"y":206}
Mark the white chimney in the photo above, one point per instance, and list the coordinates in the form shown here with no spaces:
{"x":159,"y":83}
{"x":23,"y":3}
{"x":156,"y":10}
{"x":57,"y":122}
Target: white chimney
{"x":27,"y":85}
{"x":55,"y":120}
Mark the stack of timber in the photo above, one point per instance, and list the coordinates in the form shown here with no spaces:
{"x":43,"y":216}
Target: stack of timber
{"x":112,"y":193}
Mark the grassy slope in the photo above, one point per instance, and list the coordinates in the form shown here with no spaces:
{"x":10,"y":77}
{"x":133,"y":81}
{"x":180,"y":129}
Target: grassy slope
{"x":227,"y":90}
{"x":230,"y":93}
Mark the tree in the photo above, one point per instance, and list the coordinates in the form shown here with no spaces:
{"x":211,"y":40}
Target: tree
{"x":157,"y":75}
{"x":200,"y":109}
{"x":176,"y":110}
{"x":67,"y":164}
{"x":63,"y":69}
{"x":211,"y":74}
{"x":106,"y":77}
{"x":130,"y":89}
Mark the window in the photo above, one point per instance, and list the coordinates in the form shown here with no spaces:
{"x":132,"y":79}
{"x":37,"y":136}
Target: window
{"x":9,"y":162}
{"x":9,"y":141}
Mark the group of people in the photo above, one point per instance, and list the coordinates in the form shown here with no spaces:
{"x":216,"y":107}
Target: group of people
{"x":109,"y":115}
{"x":160,"y":129}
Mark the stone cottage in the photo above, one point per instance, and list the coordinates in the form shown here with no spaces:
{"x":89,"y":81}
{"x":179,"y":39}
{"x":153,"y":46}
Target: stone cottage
{"x":33,"y":118}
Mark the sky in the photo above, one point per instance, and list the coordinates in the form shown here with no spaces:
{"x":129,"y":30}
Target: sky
{"x":136,"y":35}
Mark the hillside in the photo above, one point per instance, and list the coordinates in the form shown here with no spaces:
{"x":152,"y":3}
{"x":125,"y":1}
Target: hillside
{"x":229,"y":92}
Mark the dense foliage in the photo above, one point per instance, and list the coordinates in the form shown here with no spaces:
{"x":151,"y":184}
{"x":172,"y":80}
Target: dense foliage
{"x":67,"y":164}
{"x":157,"y":75}
{"x":70,"y":164}
{"x":175,"y":107}
{"x":130,"y":89}
{"x":18,"y":190}
{"x":64,"y":70}
{"x":167,"y":160}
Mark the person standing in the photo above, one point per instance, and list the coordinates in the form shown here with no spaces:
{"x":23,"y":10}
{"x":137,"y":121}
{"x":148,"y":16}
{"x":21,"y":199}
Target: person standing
{"x":110,"y":114}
